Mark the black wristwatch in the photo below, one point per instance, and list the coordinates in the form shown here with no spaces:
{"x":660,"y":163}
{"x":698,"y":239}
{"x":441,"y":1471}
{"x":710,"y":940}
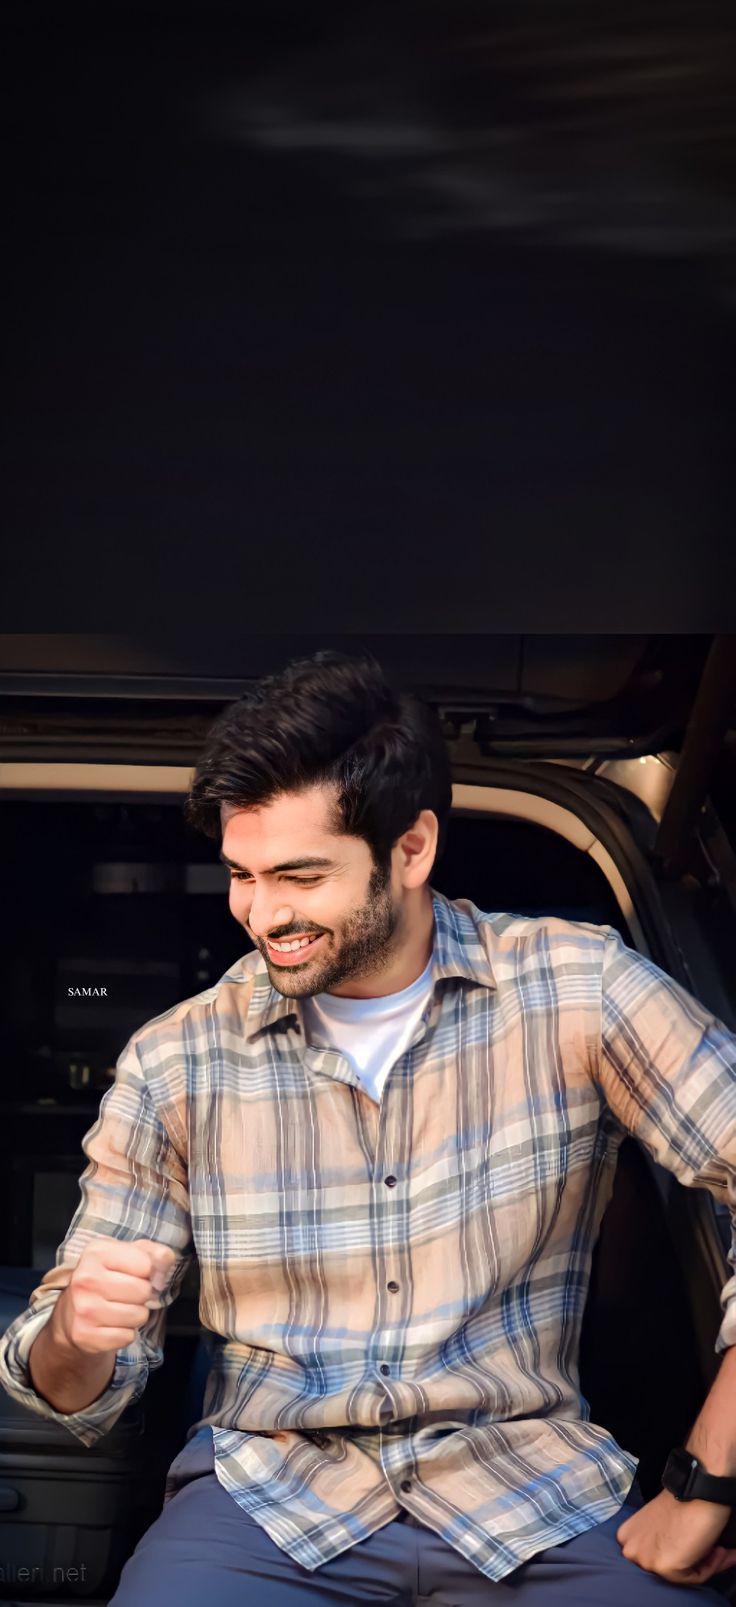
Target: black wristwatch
{"x":685,"y":1478}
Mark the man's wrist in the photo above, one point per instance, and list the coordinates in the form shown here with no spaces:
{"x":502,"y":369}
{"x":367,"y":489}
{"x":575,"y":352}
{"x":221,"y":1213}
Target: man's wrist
{"x":717,"y":1457}
{"x":686,"y":1477}
{"x":58,"y":1332}
{"x":67,"y":1378}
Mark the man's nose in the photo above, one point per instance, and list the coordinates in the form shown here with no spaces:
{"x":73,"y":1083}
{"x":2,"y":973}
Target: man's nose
{"x":267,"y":915}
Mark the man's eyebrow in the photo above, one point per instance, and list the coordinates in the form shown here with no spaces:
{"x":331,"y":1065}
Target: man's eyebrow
{"x":308,"y":862}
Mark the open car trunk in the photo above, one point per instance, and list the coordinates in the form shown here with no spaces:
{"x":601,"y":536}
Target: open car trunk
{"x":115,"y":892}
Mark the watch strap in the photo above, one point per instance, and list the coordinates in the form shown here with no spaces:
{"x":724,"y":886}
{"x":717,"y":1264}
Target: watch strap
{"x":708,"y":1487}
{"x":700,"y":1485}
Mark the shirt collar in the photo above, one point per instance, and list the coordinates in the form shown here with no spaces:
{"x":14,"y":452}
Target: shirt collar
{"x":458,"y":951}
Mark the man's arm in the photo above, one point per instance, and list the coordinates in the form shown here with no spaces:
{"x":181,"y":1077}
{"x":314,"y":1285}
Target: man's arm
{"x":683,"y":1540}
{"x":713,"y":1436}
{"x":667,"y":1069}
{"x":61,"y":1373}
{"x":112,"y":1291}
{"x":134,"y":1188}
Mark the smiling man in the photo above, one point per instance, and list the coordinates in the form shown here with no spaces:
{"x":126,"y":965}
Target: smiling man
{"x":388,"y":1134}
{"x":355,"y":937}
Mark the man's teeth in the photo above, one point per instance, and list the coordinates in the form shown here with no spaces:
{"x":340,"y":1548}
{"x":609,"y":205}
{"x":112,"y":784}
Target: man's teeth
{"x":287,"y":948}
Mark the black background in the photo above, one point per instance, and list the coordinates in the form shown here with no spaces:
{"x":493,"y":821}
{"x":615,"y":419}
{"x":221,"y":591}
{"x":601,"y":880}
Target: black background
{"x":369,"y":317}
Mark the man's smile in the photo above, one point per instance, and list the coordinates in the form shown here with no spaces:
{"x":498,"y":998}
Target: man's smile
{"x":293,"y":951}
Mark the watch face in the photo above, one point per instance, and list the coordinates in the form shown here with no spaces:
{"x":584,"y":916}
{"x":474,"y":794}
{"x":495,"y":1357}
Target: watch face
{"x":678,"y":1470}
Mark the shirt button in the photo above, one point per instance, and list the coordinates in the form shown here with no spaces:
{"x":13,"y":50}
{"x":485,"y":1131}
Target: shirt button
{"x":405,"y":1485}
{"x":392,"y":1287}
{"x":384,"y":1369}
{"x":390,"y":1182}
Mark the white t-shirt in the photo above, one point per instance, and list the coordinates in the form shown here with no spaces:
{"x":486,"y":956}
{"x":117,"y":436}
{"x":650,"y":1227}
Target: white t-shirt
{"x":372,"y":1033}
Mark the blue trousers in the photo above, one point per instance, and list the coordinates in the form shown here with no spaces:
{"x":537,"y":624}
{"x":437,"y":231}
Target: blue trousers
{"x":204,"y":1551}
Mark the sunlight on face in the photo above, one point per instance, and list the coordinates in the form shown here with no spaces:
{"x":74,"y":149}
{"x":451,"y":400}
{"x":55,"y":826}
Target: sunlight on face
{"x":293,"y":877}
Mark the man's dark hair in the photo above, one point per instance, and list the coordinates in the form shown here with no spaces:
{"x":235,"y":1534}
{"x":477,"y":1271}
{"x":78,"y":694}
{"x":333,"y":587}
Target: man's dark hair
{"x":329,"y":719}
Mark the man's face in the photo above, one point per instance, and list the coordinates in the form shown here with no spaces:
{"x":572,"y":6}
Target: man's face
{"x":293,"y":877}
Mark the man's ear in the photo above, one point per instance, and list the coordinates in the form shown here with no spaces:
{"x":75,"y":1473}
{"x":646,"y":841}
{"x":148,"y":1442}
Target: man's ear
{"x":417,"y":849}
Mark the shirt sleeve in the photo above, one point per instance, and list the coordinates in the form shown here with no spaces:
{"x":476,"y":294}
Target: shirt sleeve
{"x":667,"y":1070}
{"x":134,"y":1187}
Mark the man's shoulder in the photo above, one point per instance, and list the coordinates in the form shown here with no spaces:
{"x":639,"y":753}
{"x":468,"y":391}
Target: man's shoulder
{"x":189,"y":1023}
{"x":512,"y":938}
{"x":511,"y":926}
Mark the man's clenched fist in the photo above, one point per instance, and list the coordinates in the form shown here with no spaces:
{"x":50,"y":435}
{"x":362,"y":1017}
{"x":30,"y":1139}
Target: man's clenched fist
{"x":111,"y":1293}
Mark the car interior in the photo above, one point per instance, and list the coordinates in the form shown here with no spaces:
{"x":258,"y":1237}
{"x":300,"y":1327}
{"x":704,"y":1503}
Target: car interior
{"x":121,"y":889}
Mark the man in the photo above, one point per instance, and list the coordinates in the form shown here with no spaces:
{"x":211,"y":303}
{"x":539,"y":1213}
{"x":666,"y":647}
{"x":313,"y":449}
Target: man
{"x":388,"y":1135}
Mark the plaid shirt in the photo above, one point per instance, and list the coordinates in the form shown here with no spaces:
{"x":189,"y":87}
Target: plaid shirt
{"x":399,"y":1288}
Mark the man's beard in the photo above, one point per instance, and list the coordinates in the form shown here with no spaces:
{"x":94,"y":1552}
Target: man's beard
{"x":368,"y":944}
